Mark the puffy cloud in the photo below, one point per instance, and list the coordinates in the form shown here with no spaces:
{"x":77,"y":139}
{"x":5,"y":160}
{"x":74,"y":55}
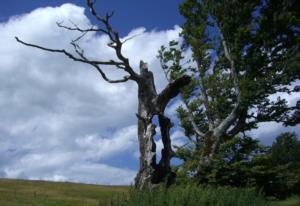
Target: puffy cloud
{"x":58,"y":119}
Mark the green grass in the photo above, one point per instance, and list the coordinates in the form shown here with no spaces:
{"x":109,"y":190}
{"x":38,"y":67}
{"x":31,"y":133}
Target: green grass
{"x":41,"y":193}
{"x":194,"y":196}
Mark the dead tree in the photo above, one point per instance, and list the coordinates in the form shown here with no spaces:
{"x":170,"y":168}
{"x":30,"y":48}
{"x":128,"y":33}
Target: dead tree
{"x":150,"y":103}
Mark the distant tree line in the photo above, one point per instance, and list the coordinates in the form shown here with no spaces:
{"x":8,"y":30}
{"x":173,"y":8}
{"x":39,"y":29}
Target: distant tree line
{"x":243,"y":162}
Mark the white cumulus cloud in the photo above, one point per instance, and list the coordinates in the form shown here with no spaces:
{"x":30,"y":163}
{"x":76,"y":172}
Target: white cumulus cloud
{"x":58,"y":119}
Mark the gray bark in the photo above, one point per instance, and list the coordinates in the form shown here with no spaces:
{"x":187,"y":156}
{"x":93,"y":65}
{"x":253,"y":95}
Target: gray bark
{"x":151,"y":104}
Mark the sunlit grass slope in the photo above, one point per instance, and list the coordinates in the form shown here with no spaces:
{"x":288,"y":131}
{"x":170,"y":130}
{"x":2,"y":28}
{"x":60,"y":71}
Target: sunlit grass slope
{"x":41,"y":193}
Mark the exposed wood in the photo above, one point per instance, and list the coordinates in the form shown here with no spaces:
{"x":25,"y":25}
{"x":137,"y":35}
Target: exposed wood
{"x":151,"y":104}
{"x":171,"y":91}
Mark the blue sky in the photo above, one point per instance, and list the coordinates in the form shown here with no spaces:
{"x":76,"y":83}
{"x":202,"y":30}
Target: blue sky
{"x":129,"y":14}
{"x":59,"y":120}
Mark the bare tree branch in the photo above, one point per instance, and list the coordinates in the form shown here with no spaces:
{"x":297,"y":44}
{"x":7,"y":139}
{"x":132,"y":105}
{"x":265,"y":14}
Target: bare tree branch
{"x":130,"y":38}
{"x":113,"y":35}
{"x":68,"y":54}
{"x":171,"y":90}
{"x":115,"y":38}
{"x":82,"y":59}
{"x":76,"y":28}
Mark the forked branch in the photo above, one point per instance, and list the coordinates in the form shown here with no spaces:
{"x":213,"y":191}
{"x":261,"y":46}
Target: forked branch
{"x":171,"y":91}
{"x":234,"y":114}
{"x":116,"y":42}
{"x":82,"y":59}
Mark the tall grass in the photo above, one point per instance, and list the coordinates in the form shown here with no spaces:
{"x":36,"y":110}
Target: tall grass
{"x":192,"y":196}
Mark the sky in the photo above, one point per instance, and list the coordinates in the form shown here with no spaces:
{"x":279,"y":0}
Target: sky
{"x":59,"y":120}
{"x":128,"y":14}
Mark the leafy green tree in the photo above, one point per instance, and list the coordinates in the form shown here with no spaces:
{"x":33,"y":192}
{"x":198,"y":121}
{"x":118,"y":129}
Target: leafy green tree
{"x":277,"y":172}
{"x":243,"y":162}
{"x":231,"y":166}
{"x":285,"y":154}
{"x":244,"y":53}
{"x":286,"y":150}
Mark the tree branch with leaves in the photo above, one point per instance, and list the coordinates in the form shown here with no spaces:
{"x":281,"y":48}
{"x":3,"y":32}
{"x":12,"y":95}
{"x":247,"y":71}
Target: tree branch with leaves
{"x":242,"y":56}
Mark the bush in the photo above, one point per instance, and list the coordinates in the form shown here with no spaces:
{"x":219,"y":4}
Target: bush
{"x":243,"y":162}
{"x":193,"y":196}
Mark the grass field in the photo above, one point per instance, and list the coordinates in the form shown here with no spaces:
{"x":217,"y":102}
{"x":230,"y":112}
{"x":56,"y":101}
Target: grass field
{"x":41,"y":193}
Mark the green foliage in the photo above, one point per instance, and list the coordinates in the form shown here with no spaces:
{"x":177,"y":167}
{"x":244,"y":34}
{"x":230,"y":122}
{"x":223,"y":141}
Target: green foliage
{"x":286,"y":150}
{"x":173,"y":55}
{"x":243,"y":162}
{"x":242,"y":53}
{"x":262,"y":38}
{"x":193,"y":196}
{"x":285,"y":154}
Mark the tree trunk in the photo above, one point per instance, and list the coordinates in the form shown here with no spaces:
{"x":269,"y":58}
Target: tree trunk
{"x":146,"y":128}
{"x":212,"y":143}
{"x":163,"y":170}
{"x":151,"y":104}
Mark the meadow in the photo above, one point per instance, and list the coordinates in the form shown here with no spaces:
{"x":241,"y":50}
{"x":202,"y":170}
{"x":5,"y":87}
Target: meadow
{"x":42,"y":193}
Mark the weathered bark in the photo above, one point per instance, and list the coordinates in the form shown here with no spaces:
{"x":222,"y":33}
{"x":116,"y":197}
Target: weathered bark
{"x":151,"y":104}
{"x":146,"y":129}
{"x":163,"y":169}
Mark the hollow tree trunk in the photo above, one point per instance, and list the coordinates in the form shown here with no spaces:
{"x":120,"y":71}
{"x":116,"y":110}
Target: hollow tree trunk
{"x":146,"y":131}
{"x":146,"y":128}
{"x":151,"y":104}
{"x":163,"y":170}
{"x":151,"y":172}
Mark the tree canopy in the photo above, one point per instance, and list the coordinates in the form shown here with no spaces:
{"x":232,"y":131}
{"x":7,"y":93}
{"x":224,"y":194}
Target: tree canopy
{"x":245,"y":55}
